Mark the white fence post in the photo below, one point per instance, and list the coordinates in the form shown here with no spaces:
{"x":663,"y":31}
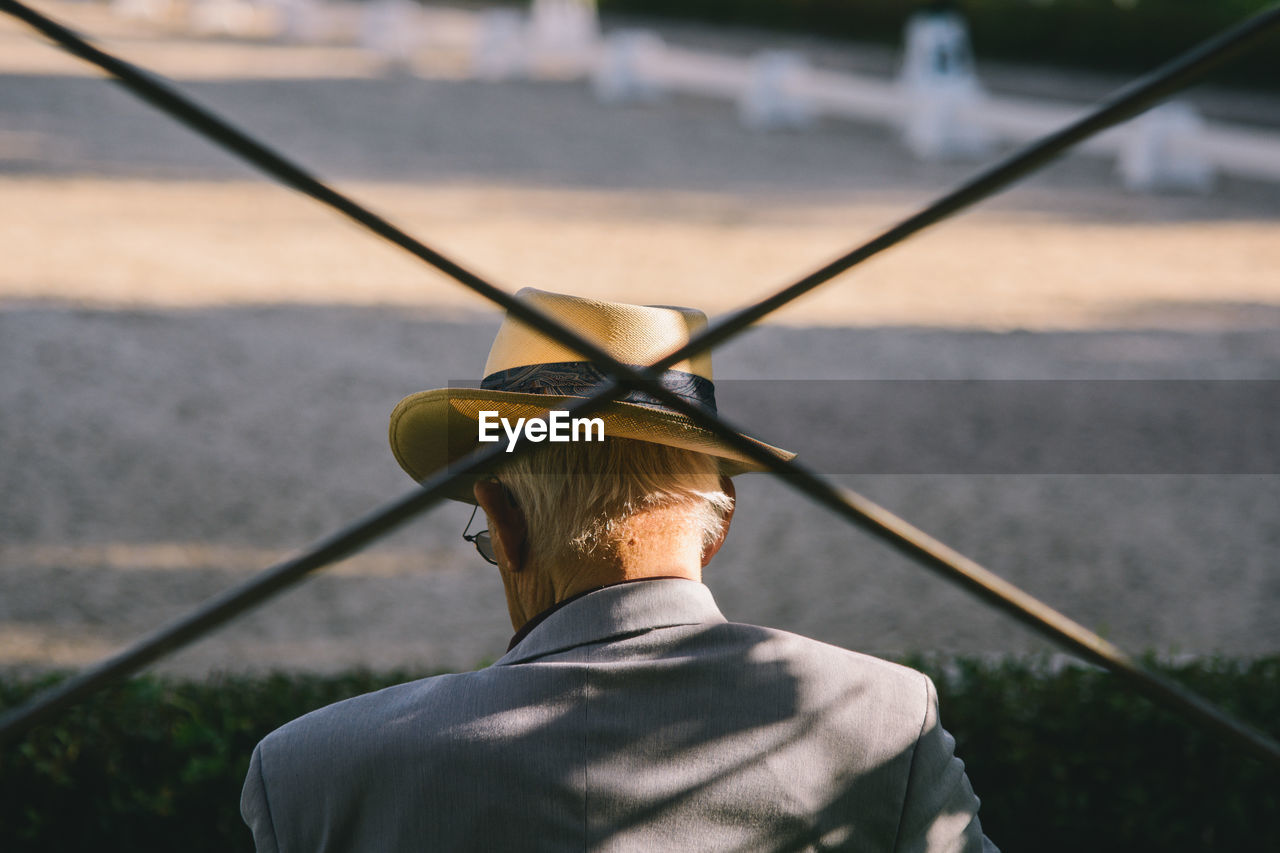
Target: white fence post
{"x":389,"y":28}
{"x":1164,"y":151}
{"x":301,"y":21}
{"x":501,"y":48}
{"x":941,"y":88}
{"x":773,"y":96}
{"x":624,"y":71}
{"x":148,"y":11}
{"x":220,"y":17}
{"x":563,"y":32}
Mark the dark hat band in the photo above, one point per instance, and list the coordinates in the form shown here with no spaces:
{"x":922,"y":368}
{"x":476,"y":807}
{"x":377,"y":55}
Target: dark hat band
{"x":578,"y":378}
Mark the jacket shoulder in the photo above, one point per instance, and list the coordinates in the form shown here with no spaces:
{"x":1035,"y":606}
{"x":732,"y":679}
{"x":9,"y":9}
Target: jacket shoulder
{"x":832,"y":662}
{"x":347,"y":728}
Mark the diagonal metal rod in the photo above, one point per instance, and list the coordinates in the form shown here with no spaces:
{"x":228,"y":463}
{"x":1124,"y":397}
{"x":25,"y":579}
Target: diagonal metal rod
{"x":857,"y":509}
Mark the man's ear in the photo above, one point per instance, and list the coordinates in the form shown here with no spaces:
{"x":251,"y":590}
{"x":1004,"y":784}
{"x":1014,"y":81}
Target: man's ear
{"x":507,"y":524}
{"x":726,"y":486}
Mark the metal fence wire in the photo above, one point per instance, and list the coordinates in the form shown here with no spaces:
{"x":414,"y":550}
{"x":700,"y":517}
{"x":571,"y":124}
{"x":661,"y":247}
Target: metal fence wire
{"x":858,"y":510}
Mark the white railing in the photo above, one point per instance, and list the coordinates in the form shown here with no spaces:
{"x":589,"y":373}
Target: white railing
{"x":561,"y":39}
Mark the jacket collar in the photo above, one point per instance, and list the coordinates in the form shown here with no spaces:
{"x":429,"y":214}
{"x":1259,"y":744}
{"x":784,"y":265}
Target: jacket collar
{"x":615,"y":611}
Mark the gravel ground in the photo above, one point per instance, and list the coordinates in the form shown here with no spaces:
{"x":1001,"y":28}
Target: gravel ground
{"x":200,"y":365}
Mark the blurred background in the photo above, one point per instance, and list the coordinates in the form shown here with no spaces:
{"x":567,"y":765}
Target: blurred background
{"x":199,"y":364}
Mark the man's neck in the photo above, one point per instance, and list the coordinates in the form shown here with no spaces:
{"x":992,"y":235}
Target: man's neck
{"x":648,"y":546}
{"x":575,"y":583}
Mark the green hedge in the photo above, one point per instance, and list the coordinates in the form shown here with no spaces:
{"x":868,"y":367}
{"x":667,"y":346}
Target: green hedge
{"x":1074,"y":761}
{"x":1063,"y":760}
{"x":1117,"y":35}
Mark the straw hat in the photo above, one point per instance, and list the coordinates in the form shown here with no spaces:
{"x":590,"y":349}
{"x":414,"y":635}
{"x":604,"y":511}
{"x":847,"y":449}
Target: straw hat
{"x":528,"y":373}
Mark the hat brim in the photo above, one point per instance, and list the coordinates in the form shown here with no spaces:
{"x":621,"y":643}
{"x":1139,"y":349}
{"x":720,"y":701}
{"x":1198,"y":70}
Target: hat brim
{"x":432,"y":429}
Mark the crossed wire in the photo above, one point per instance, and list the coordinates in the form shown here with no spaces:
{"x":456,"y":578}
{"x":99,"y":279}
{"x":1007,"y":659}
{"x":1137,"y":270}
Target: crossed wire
{"x":855,"y":508}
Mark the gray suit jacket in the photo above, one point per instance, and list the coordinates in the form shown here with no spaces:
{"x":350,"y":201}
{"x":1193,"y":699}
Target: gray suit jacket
{"x":632,"y":719}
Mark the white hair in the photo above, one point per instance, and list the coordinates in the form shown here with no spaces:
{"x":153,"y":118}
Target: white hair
{"x":577,"y":497}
